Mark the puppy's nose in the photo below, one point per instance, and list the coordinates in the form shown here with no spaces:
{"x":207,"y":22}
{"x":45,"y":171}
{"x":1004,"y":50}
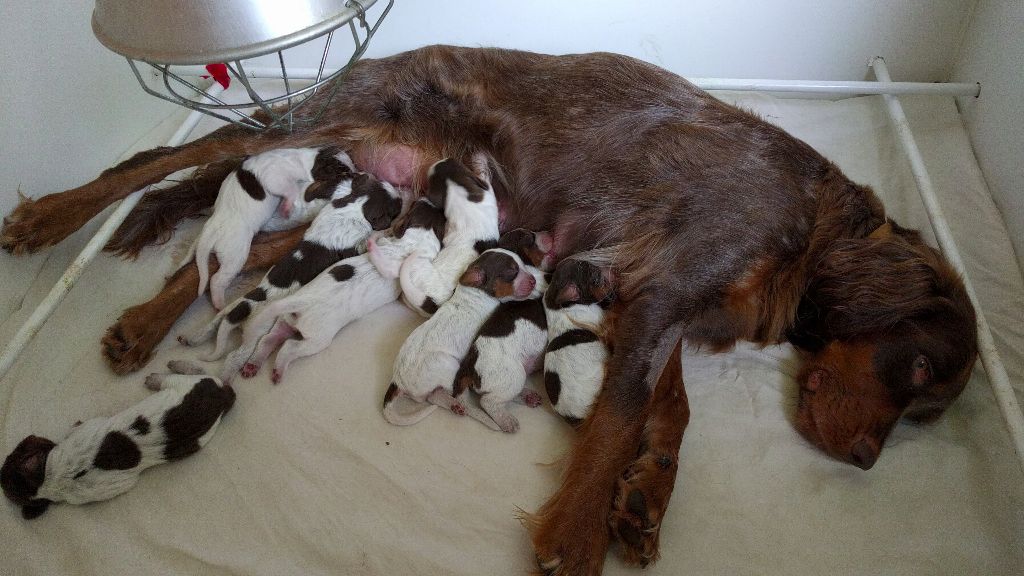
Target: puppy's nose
{"x":864,"y":453}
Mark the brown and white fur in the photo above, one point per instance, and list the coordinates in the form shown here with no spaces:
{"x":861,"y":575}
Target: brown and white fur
{"x":249,"y":197}
{"x":429,"y":359}
{"x":472,"y":213}
{"x":720,"y":227}
{"x":575,"y":355}
{"x":103,"y":457}
{"x":306,"y":321}
{"x":358,"y":206}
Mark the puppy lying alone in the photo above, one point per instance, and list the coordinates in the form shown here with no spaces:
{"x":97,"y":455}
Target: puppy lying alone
{"x":102,"y":458}
{"x":429,"y":359}
{"x":574,"y":360}
{"x":249,"y":197}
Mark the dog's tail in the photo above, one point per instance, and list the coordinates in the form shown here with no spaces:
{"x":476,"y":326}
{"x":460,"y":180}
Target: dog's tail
{"x":224,"y":331}
{"x":393,"y":416}
{"x":202,"y":257}
{"x":412,"y":277}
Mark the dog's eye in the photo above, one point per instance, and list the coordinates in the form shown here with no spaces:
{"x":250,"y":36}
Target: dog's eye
{"x":510,"y":274}
{"x":922,"y":371}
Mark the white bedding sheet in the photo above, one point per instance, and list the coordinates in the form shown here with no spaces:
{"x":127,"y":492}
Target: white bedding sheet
{"x":307,"y":478}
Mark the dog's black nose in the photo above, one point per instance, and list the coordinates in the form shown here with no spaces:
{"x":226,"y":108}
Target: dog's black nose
{"x":863,"y":454}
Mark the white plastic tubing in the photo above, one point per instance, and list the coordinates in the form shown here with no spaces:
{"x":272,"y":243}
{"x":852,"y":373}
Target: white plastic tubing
{"x":95,"y":245}
{"x":997,"y":376}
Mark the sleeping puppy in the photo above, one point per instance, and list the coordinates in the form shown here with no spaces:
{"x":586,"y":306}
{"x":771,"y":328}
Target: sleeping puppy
{"x":102,"y":458}
{"x":472,"y":213}
{"x":307,"y":320}
{"x":575,"y":303}
{"x":429,"y":359}
{"x":510,"y":344}
{"x":359,"y":205}
{"x":264,"y":184}
{"x":331,"y":166}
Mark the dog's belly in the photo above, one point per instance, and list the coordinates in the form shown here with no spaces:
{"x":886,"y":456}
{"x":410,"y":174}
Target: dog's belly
{"x":395,"y":163}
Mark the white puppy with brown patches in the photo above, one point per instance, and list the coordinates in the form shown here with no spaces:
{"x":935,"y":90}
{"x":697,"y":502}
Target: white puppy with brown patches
{"x":102,"y":457}
{"x":575,"y":303}
{"x":472,"y":213}
{"x":265,"y":184}
{"x":429,"y":359}
{"x":306,"y":321}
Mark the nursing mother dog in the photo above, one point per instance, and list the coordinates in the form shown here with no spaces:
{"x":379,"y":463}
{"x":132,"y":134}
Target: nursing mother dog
{"x":717,"y":227}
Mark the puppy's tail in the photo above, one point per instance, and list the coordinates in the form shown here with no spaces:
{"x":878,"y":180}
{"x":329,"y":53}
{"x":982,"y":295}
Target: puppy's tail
{"x":393,"y":416}
{"x":202,"y":256}
{"x":410,"y":277}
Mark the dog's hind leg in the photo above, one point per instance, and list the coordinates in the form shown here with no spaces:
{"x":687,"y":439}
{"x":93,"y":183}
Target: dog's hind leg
{"x":281,"y":331}
{"x":129,"y":343}
{"x":644,"y":489}
{"x":294,"y":349}
{"x":36,"y":224}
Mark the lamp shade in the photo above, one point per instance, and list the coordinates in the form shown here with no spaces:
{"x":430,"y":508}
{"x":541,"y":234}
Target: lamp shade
{"x":206,"y":31}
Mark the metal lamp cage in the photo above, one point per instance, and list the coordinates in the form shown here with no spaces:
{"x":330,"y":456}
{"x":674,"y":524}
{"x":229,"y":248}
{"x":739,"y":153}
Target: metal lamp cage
{"x":279,"y":111}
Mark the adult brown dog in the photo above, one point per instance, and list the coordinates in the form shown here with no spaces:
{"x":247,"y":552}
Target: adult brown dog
{"x":719,"y":227}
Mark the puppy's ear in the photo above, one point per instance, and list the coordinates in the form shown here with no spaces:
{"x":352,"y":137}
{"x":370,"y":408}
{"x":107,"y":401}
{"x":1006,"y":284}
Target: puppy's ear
{"x":381,"y":208}
{"x":569,"y":293}
{"x":473,"y":277}
{"x":35,"y":508}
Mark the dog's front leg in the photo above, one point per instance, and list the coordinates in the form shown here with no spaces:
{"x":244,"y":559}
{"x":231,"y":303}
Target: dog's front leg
{"x":644,"y":488}
{"x":570,"y":532}
{"x":129,"y":343}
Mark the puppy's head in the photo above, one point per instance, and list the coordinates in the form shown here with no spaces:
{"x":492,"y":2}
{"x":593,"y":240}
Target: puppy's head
{"x":450,"y":178}
{"x":578,"y":282}
{"x":425,"y":215}
{"x":534,"y":248}
{"x":331,"y":167}
{"x":501,"y":274}
{"x":23,"y":473}
{"x":383,"y":203}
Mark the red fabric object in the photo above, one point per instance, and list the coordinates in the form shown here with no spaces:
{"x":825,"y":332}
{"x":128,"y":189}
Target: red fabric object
{"x":219,"y":73}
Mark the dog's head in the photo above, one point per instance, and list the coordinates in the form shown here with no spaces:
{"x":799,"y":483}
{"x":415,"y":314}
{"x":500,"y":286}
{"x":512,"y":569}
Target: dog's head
{"x":887,"y":330}
{"x":534,"y":248}
{"x":425,"y":215}
{"x":501,"y":274}
{"x":578,"y":282}
{"x":450,"y":177}
{"x":383,"y":203}
{"x":23,"y":473}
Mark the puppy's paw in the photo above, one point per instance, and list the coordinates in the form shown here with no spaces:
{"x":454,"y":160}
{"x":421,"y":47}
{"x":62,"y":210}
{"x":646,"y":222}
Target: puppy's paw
{"x":276,"y":376}
{"x":154,"y":382}
{"x":508,"y":423}
{"x":250,"y":370}
{"x":185,"y":367}
{"x":641,"y":499}
{"x":531,"y":398}
{"x":458,"y":408}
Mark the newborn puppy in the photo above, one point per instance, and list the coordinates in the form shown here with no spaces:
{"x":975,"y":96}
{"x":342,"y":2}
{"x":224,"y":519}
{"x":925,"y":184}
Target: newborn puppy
{"x":510,"y":344}
{"x":472,"y":213}
{"x":247,"y":200}
{"x":429,"y":359}
{"x":102,"y":458}
{"x":307,"y":320}
{"x":331,"y":166}
{"x":359,"y":205}
{"x":575,"y":304}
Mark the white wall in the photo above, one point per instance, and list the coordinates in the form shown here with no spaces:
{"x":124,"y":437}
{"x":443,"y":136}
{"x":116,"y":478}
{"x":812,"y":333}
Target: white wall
{"x":793,"y":39}
{"x":993,"y":54}
{"x":70,"y":106}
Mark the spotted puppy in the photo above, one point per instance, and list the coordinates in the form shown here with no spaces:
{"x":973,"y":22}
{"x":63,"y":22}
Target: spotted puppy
{"x":305,"y":322}
{"x":102,"y":458}
{"x":472,"y":213}
{"x":264,"y":184}
{"x":359,"y":205}
{"x":575,"y":303}
{"x":510,"y":344}
{"x":429,"y":359}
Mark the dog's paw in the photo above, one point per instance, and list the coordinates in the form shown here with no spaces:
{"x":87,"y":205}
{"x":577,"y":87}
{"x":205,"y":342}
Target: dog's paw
{"x":128,"y":344}
{"x":154,"y":382}
{"x":641,"y":498}
{"x":36,"y":224}
{"x":531,"y":398}
{"x":569,"y":539}
{"x":249,"y":370}
{"x":458,"y":408}
{"x":508,"y":423}
{"x":275,"y":376}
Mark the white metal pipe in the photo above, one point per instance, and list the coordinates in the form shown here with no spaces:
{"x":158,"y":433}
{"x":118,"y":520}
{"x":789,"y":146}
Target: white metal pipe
{"x":744,"y":84}
{"x":997,"y":376}
{"x":45,"y":308}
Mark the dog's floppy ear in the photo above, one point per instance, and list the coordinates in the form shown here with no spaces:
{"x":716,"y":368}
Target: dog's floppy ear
{"x":35,"y":508}
{"x":568,"y":293}
{"x":473,"y":276}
